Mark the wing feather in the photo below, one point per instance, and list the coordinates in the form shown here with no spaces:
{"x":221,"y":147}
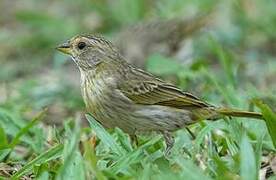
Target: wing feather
{"x":149,"y":90}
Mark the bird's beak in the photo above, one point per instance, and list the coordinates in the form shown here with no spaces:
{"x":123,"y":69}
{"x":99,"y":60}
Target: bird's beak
{"x":64,"y":48}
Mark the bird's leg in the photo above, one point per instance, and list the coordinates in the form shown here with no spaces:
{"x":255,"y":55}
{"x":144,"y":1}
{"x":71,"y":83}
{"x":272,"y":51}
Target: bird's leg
{"x":134,"y":139}
{"x":191,"y":133}
{"x":169,"y":140}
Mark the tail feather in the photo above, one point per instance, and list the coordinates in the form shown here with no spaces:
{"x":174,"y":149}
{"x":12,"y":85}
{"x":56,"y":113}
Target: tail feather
{"x":238,"y":113}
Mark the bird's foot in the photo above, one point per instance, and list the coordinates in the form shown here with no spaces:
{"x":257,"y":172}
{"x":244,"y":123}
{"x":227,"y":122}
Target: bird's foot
{"x":169,"y":140}
{"x":134,"y":140}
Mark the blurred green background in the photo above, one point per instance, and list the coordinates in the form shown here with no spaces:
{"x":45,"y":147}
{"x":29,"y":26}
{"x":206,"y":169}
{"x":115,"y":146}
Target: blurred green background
{"x":229,"y":61}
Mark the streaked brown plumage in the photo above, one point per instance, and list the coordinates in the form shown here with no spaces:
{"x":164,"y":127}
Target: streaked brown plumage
{"x":119,"y":95}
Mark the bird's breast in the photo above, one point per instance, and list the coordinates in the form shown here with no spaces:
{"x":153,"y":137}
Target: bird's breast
{"x":105,"y":102}
{"x":95,"y":90}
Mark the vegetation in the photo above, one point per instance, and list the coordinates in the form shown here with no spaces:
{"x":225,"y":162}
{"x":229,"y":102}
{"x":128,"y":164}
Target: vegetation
{"x":44,"y":132}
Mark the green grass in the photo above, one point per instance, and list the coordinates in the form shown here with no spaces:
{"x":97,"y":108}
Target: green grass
{"x":45,"y":133}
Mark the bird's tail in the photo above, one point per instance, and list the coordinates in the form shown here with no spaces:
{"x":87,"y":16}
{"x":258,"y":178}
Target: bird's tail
{"x":238,"y":113}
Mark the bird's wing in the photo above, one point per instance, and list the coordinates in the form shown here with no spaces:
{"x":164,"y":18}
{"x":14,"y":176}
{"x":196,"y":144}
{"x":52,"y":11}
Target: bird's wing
{"x":143,"y":88}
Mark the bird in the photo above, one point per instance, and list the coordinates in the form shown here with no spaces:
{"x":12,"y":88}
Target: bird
{"x":137,"y":42}
{"x":118,"y":94}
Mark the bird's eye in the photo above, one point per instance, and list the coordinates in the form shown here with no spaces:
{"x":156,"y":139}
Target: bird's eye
{"x":81,"y":45}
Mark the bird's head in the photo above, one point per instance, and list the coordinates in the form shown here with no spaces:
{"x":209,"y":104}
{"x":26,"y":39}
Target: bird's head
{"x":88,"y":51}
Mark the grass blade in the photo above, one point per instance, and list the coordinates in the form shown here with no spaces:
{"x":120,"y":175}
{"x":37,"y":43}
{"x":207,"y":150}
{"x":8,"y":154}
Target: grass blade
{"x":51,"y":154}
{"x":104,"y":136}
{"x":73,"y":166}
{"x":226,"y":62}
{"x":205,"y":131}
{"x":248,"y":161}
{"x":3,"y":138}
{"x":270,"y":119}
{"x":90,"y":157}
{"x":258,"y":152}
{"x":26,"y":128}
{"x":190,"y":170}
{"x":132,"y":157}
